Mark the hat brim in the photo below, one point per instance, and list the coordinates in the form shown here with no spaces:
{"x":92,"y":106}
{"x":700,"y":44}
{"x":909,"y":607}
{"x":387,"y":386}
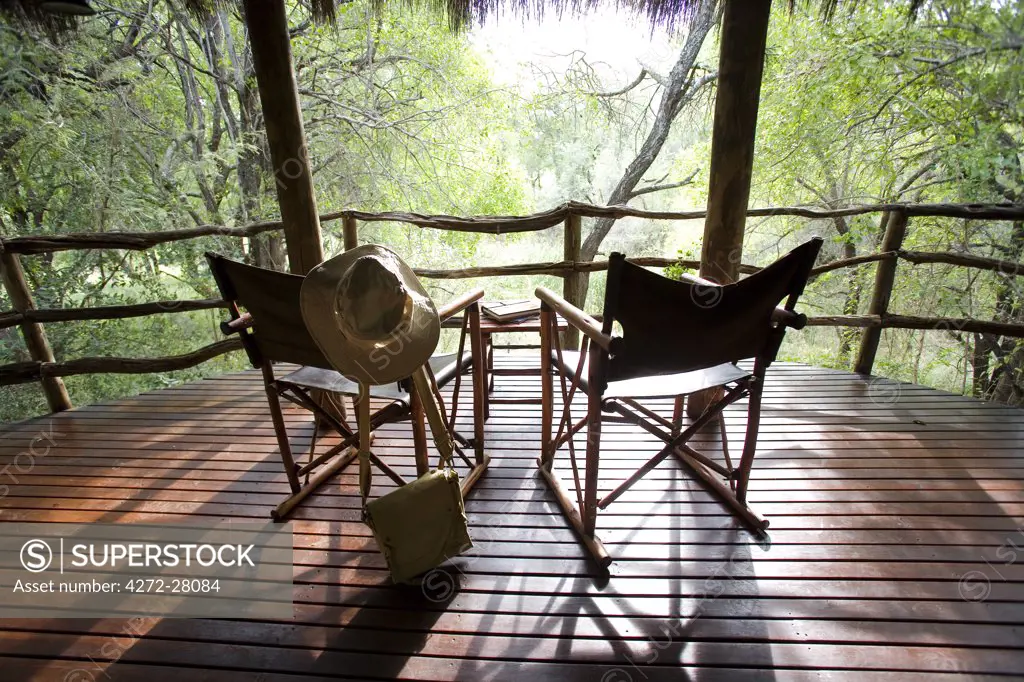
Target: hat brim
{"x":370,"y":361}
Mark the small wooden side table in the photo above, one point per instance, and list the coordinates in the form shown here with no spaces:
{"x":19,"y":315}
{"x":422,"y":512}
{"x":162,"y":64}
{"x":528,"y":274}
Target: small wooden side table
{"x":488,"y":328}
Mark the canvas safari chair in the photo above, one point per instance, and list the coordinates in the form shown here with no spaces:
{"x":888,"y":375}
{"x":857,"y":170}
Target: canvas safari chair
{"x":677,"y":338}
{"x":264,"y":309}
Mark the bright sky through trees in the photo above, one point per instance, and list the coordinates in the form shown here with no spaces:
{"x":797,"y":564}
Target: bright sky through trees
{"x":616,"y":40}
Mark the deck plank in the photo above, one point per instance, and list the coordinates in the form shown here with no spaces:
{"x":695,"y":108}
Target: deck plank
{"x":882,"y":496}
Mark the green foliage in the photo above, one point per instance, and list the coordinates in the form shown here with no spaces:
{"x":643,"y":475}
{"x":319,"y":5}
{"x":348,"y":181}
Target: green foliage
{"x":873,"y":108}
{"x":149,"y":120}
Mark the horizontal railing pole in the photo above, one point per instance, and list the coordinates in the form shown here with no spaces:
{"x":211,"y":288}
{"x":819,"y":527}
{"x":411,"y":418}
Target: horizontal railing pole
{"x":490,"y":224}
{"x":953,"y":325}
{"x":1006,"y":267}
{"x":558,"y":268}
{"x":48,"y":371}
{"x":14,"y":318}
{"x":891,"y":321}
{"x":847,"y":262}
{"x":19,"y":373}
{"x":23,"y":372}
{"x":10,"y":319}
{"x":845,"y":321}
{"x":108,"y":312}
{"x":129,"y":241}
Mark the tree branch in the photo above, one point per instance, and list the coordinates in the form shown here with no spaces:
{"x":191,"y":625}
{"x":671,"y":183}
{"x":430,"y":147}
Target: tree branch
{"x":622,"y":91}
{"x":659,"y":188}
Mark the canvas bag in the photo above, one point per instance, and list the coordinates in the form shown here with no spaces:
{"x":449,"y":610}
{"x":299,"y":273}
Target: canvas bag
{"x":422,"y":524}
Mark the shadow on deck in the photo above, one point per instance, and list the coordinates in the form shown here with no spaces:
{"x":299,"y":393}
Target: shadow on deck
{"x":896,"y":512}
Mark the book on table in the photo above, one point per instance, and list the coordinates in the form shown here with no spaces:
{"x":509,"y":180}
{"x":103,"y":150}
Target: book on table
{"x":507,"y":311}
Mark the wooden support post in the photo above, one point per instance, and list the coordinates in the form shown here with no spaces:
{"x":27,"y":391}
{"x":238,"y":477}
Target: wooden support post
{"x":267,"y":23}
{"x":885,"y":276}
{"x":350,"y":229}
{"x":572,"y":285}
{"x":741,"y":62}
{"x":744,"y":34}
{"x":35,"y":337}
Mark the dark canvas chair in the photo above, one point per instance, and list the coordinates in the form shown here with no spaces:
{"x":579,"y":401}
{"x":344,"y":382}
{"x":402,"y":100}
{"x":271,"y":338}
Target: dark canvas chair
{"x":272,"y":331}
{"x":677,"y":338}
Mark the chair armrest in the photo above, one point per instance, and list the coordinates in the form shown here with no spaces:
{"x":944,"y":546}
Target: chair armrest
{"x":694,"y":279}
{"x":576,"y":317}
{"x":236,"y":325}
{"x":460,"y":304}
{"x":789,"y":318}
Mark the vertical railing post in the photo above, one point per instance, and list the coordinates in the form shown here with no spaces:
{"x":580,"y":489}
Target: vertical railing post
{"x":35,"y":337}
{"x":350,"y":229}
{"x":885,"y":277}
{"x":572,"y":283}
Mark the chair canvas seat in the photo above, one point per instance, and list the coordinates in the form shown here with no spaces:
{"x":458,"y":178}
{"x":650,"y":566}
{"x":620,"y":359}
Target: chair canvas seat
{"x":443,"y":366}
{"x":660,"y":386}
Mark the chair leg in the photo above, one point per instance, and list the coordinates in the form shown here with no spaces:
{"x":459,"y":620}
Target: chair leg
{"x":481,"y":401}
{"x":474,"y":475}
{"x":315,"y":481}
{"x":742,"y":478}
{"x":734,"y":495}
{"x":593,"y":459}
{"x":751,"y":518}
{"x":572,"y":514}
{"x":489,"y":342}
{"x":677,"y":414}
{"x":674,"y":444}
{"x":547,"y":392}
{"x":277,"y":417}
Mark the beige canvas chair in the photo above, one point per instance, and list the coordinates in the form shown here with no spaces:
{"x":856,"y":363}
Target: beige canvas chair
{"x":677,"y":338}
{"x":264,"y":308}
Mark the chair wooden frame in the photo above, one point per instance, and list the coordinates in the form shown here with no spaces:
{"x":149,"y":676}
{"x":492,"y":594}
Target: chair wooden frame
{"x":592,"y":375}
{"x":403,"y":403}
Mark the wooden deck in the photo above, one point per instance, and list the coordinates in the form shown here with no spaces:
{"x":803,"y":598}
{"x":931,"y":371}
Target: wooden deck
{"x":889,"y":509}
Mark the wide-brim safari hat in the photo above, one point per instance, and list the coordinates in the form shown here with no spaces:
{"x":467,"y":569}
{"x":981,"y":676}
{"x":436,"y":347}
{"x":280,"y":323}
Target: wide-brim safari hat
{"x":369,"y":314}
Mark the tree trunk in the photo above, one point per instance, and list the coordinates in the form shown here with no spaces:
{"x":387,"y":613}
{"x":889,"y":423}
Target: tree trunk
{"x":1006,"y":383}
{"x":254,"y":166}
{"x":740,"y":67}
{"x":267,"y":23}
{"x":979,"y":366}
{"x":679,"y":89}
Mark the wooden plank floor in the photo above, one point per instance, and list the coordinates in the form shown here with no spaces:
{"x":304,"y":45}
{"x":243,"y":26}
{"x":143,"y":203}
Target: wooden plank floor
{"x":896,"y":512}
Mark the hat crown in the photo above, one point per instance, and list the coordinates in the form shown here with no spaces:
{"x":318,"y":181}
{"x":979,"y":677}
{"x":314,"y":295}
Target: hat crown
{"x":370,"y":300}
{"x":370,"y":315}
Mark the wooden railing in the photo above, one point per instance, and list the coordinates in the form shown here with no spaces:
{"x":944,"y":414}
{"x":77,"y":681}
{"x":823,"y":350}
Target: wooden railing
{"x":44,"y":368}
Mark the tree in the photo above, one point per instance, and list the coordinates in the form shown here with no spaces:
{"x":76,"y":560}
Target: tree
{"x":685,"y":82}
{"x":148,"y":119}
{"x":872,"y":108}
